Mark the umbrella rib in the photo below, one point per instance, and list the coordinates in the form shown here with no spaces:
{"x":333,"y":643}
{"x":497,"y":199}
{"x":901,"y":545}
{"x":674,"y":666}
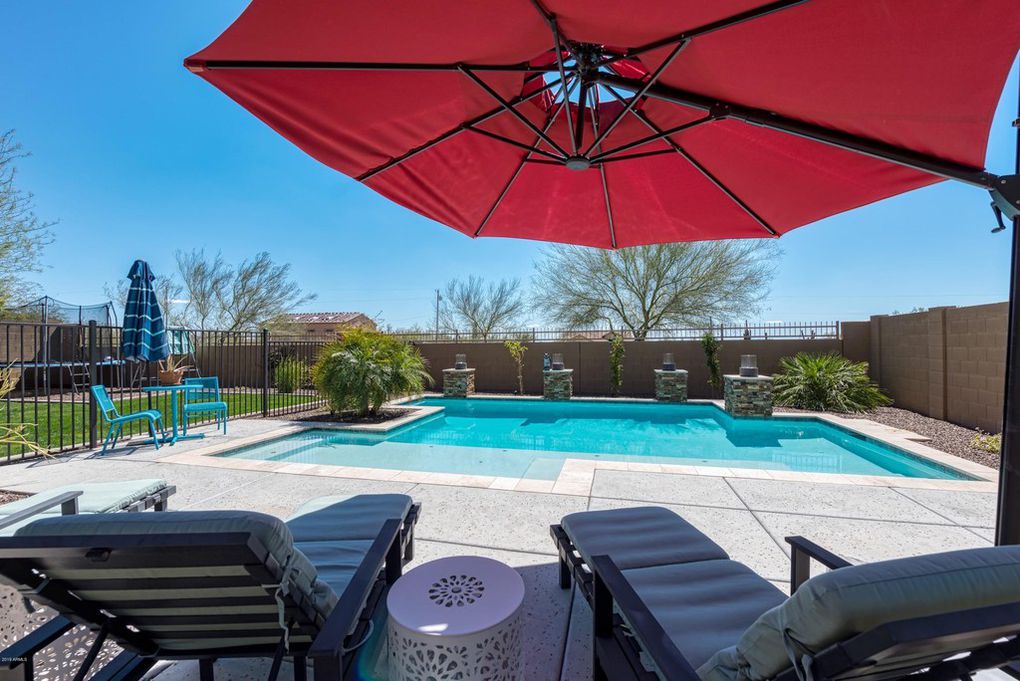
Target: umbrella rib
{"x":630,"y":157}
{"x":711,"y":27}
{"x":610,"y":155}
{"x":199,"y":65}
{"x":524,"y":160}
{"x":636,"y":97}
{"x":514,"y":112}
{"x":515,"y":143}
{"x":602,"y":171}
{"x":609,"y":206}
{"x":817,"y":133}
{"x":602,"y":174}
{"x":643,"y":117}
{"x":454,"y":131}
{"x":558,"y":47}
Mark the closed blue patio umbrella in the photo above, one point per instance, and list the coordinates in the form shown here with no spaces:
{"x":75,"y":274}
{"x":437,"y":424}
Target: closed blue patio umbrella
{"x":144,"y":335}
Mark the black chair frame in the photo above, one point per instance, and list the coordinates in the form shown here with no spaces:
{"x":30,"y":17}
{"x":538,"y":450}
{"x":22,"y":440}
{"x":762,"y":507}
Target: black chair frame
{"x":335,"y":639}
{"x":945,"y":647}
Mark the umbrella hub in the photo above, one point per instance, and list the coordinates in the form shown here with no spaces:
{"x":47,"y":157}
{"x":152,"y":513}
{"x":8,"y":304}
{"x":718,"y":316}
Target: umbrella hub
{"x":578,"y":162}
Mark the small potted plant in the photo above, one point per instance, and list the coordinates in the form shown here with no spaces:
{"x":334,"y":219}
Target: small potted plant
{"x":171,"y":371}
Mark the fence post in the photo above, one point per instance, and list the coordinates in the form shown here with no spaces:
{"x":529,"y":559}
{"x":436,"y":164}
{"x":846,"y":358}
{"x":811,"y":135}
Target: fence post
{"x":265,"y":372}
{"x":93,"y":379}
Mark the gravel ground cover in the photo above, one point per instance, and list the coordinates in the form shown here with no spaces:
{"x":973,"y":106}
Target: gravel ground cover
{"x":945,"y":436}
{"x":7,"y":497}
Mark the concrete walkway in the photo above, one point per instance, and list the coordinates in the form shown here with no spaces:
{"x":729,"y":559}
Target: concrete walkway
{"x":748,"y":517}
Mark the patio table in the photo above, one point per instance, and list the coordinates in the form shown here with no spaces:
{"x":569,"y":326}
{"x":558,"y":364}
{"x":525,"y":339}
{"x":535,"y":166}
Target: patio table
{"x":174,"y":391}
{"x":456,"y":617}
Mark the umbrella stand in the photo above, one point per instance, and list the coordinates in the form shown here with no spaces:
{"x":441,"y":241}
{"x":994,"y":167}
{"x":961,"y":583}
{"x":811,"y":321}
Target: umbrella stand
{"x":1007,"y":526}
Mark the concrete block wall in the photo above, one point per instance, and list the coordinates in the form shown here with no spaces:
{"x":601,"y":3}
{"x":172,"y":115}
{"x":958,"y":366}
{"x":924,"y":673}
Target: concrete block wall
{"x":947,"y":362}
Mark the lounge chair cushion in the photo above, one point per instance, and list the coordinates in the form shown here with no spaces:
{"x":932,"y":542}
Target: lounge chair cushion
{"x":336,"y":532}
{"x":706,"y":605}
{"x":359,"y":516}
{"x":836,"y":605}
{"x":271,"y":532}
{"x":639,"y":537}
{"x":97,"y":497}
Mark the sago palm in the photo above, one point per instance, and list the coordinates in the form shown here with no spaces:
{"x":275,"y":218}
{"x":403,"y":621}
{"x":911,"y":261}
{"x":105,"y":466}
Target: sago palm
{"x":827,"y":382}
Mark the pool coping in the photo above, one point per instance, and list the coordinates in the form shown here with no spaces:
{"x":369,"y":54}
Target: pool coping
{"x":577,"y":476}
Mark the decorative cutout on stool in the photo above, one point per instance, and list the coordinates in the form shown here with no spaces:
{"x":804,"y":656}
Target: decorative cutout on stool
{"x":456,"y":590}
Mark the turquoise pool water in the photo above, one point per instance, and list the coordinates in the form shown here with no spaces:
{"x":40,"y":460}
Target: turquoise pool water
{"x":531,"y":439}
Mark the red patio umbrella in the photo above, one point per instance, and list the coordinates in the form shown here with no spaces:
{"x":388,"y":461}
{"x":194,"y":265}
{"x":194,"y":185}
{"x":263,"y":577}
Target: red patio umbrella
{"x":688,"y":120}
{"x":614,"y":123}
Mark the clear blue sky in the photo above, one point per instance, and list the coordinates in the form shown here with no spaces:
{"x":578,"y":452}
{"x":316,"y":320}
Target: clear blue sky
{"x":136,"y":157}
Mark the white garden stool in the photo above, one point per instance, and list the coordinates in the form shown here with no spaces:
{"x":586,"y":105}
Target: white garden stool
{"x":456,"y":618}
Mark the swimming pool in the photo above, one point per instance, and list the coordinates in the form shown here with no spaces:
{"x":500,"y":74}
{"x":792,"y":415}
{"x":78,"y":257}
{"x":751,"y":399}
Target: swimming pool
{"x":532,"y":438}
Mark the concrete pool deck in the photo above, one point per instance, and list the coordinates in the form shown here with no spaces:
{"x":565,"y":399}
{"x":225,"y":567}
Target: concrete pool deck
{"x":747,"y":514}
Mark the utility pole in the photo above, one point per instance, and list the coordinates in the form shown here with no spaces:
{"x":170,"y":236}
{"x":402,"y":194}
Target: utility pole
{"x":439,"y":299}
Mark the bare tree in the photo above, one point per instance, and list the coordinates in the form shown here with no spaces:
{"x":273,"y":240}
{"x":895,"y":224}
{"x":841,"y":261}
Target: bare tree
{"x":648,"y":287}
{"x":22,"y":234}
{"x":168,"y":292}
{"x":203,"y":278}
{"x":258,"y":292}
{"x":481,"y":307}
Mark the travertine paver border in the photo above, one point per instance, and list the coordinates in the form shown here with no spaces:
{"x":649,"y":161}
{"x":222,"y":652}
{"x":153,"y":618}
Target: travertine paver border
{"x":577,"y":475}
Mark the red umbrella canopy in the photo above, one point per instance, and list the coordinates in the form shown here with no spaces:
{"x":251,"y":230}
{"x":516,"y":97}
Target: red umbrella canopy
{"x":612,"y":123}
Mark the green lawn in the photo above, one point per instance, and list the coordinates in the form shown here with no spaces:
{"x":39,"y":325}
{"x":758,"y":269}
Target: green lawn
{"x":63,"y":425}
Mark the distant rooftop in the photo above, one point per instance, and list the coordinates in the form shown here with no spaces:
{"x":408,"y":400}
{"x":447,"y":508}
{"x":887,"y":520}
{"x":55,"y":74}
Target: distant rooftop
{"x":323,"y":317}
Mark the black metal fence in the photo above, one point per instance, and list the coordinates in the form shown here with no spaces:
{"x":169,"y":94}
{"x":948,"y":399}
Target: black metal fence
{"x":746,"y":331}
{"x":54,"y":366}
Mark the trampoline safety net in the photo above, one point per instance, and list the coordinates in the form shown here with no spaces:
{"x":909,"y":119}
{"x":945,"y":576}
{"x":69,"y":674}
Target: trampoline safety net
{"x":49,"y":310}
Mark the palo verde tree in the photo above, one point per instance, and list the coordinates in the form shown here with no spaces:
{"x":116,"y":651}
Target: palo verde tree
{"x":202,"y":278}
{"x":481,"y":307}
{"x":648,"y":287}
{"x":258,"y":292}
{"x":22,"y":234}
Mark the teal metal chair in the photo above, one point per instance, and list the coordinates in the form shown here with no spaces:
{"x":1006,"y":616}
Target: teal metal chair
{"x":207,"y":392}
{"x":116,"y":422}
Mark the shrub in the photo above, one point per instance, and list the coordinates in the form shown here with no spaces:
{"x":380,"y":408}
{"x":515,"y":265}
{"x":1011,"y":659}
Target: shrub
{"x":290,"y":374}
{"x":517,"y":349}
{"x":616,"y":353}
{"x":710,"y":344}
{"x":364,"y":369}
{"x":987,"y":442}
{"x":827,"y":382}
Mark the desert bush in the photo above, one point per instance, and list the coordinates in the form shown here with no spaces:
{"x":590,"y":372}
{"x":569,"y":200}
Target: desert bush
{"x":616,"y":354}
{"x":828,"y":382}
{"x":710,"y":345}
{"x":987,"y":442}
{"x":290,"y":374}
{"x":517,"y":349}
{"x":365,"y":369}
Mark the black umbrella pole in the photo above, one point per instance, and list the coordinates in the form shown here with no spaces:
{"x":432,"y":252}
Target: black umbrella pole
{"x":1007,"y":526}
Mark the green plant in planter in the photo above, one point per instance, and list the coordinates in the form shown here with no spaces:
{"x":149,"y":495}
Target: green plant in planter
{"x":616,"y":354}
{"x":365,"y":369}
{"x":517,"y":349}
{"x":828,"y":382}
{"x":290,"y":374}
{"x":710,"y":344}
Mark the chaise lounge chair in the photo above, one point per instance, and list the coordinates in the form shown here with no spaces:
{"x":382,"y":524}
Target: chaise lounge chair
{"x":204,"y":585}
{"x":669,"y":603}
{"x":90,"y":497}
